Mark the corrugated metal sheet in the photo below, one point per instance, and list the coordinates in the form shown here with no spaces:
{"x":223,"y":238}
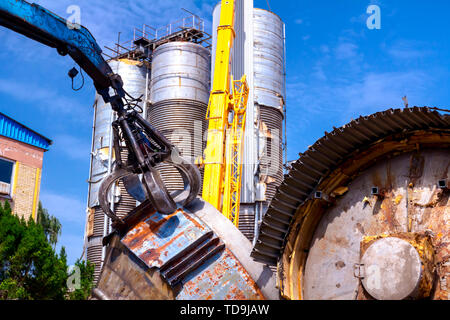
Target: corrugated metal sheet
{"x":12,"y":129}
{"x":326,"y":155}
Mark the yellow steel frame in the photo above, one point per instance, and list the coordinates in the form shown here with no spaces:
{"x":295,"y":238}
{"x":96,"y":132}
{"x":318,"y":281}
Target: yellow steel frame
{"x":223,"y":153}
{"x":234,"y":149}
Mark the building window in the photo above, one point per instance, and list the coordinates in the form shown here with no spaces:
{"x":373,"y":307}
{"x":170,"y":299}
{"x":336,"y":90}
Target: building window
{"x":6,"y":173}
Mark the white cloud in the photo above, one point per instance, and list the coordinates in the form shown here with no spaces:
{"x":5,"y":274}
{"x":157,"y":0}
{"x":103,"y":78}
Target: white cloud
{"x":71,"y":146}
{"x":68,"y":209}
{"x":47,"y":99}
{"x":407,"y":50}
{"x":306,"y":37}
{"x":346,"y":50}
{"x":71,"y":212}
{"x":123,"y":16}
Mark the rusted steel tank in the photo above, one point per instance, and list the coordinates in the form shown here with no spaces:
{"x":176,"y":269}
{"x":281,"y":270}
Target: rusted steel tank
{"x":365,"y":212}
{"x":193,"y":254}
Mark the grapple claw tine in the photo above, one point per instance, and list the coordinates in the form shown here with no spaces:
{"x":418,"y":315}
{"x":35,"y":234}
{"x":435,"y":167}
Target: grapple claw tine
{"x":103,"y":193}
{"x":157,"y":192}
{"x":134,"y":187}
{"x":191,"y":179}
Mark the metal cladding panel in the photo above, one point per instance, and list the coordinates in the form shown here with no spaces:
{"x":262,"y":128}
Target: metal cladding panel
{"x":180,"y":70}
{"x":326,"y":155}
{"x":94,"y":255}
{"x":180,"y":89}
{"x":183,"y":122}
{"x":162,"y":240}
{"x":250,"y":156}
{"x":134,"y":78}
{"x":14,"y":130}
{"x":159,"y":238}
{"x":220,"y":278}
{"x":247,"y":221}
{"x":268,"y":59}
{"x":271,"y":166}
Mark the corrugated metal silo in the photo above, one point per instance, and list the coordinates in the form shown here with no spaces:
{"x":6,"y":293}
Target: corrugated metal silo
{"x":179,"y":95}
{"x":269,"y":91}
{"x":134,"y":75}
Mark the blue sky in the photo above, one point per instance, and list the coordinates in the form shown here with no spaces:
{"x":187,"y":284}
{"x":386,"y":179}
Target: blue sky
{"x":337,"y":70}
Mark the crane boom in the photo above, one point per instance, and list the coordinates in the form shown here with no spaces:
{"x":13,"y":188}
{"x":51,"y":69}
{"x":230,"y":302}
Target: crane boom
{"x":42,"y":25}
{"x":145,"y":145}
{"x":223,"y":153}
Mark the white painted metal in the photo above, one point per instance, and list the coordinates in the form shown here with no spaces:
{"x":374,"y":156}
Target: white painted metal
{"x":392,"y":269}
{"x":180,"y":70}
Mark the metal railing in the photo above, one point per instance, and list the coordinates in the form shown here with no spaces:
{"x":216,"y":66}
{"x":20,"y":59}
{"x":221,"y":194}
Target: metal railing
{"x":150,"y":34}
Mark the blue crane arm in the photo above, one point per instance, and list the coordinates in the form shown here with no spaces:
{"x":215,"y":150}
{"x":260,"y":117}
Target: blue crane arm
{"x":38,"y":23}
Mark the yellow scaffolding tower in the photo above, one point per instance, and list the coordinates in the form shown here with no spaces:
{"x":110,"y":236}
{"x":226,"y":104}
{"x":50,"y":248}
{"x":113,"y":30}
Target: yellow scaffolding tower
{"x":226,"y":117}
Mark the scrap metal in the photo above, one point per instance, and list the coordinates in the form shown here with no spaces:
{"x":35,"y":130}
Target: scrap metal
{"x":330,"y":165}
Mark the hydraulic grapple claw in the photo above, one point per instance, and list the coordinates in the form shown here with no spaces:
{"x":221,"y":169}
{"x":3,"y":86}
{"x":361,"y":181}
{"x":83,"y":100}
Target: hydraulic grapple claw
{"x":147,"y":148}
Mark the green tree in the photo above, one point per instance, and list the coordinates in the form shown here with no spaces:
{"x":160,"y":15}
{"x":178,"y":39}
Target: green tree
{"x":29,"y":266}
{"x":51,"y":225}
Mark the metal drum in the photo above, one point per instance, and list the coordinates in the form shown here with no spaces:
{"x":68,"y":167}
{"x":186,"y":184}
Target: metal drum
{"x":363,"y":213}
{"x":179,"y":93}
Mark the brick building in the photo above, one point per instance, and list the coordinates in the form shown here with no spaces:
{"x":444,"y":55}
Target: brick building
{"x":21,"y":157}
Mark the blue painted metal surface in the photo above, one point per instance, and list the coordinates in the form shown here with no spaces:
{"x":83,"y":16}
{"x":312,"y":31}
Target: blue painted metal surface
{"x":12,"y":129}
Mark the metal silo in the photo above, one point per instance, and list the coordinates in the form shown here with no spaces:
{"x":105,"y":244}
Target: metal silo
{"x":179,"y":94}
{"x":135,"y":76}
{"x":269,"y":94}
{"x":268,"y":59}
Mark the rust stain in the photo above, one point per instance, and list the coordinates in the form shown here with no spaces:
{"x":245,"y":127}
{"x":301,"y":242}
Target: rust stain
{"x":339,"y":265}
{"x":154,"y":253}
{"x":360,"y":228}
{"x":398,"y":199}
{"x":226,"y":273}
{"x":195,"y":222}
{"x":376,"y":180}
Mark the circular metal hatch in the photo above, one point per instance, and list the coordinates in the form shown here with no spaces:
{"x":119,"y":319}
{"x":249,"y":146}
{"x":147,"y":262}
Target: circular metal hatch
{"x":392,"y":269}
{"x":334,"y":250}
